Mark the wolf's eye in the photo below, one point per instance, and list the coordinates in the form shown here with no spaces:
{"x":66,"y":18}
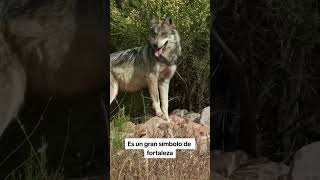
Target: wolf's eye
{"x":153,"y":34}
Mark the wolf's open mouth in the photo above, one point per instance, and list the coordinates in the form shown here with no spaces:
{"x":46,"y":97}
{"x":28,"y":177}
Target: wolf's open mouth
{"x":159,"y":51}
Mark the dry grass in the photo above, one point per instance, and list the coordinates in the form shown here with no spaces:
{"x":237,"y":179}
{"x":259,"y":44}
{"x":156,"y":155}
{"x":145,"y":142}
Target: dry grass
{"x":131,"y":164}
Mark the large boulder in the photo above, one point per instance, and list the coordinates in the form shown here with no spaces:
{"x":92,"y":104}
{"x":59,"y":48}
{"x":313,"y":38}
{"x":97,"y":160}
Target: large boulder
{"x":306,"y":163}
{"x":262,"y":171}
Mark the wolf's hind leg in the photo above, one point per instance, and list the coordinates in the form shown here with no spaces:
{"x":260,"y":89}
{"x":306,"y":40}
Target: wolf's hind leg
{"x":114,"y":88}
{"x":12,"y":85}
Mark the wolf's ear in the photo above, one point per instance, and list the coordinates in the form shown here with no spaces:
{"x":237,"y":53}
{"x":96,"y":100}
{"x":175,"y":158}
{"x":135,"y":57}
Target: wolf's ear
{"x":154,"y":21}
{"x":169,"y":21}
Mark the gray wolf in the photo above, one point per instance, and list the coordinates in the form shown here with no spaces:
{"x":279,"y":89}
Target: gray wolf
{"x":151,"y":66}
{"x":44,"y":55}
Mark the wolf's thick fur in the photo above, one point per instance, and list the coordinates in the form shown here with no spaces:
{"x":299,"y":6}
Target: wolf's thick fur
{"x":149,"y":66}
{"x":42,"y":52}
{"x":12,"y":85}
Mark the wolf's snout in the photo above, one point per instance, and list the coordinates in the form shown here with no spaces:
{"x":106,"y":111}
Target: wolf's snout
{"x":154,"y":46}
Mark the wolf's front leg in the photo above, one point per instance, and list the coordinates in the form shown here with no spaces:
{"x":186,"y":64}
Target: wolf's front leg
{"x":164,"y":93}
{"x":152,"y":81}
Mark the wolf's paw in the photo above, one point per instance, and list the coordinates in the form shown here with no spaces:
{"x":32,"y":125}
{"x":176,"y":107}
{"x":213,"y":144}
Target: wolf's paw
{"x":167,"y":118}
{"x":159,"y":114}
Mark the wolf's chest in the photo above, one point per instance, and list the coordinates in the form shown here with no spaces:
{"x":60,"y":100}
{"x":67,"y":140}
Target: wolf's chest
{"x":166,"y":72}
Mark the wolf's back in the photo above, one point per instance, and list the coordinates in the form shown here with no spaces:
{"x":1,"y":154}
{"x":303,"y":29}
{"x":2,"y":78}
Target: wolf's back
{"x":138,"y":56}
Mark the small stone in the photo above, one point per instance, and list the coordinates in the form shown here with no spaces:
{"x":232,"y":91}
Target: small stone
{"x":179,"y":112}
{"x":163,"y":126}
{"x":192,"y":117}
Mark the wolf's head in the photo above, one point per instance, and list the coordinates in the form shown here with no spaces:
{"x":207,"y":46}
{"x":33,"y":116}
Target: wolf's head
{"x":164,"y":40}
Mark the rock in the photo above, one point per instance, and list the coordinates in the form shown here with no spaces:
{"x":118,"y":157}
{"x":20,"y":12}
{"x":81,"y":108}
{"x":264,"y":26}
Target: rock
{"x":179,"y":112}
{"x":187,"y":128}
{"x":306,"y":163}
{"x":178,"y":120}
{"x":152,"y":128}
{"x":130,"y":126}
{"x":263,"y":171}
{"x":205,"y":116}
{"x":227,"y":162}
{"x":203,"y":144}
{"x":192,"y":117}
{"x":179,"y":127}
{"x":164,"y":126}
{"x":140,"y":131}
{"x":129,"y":130}
{"x":196,"y":130}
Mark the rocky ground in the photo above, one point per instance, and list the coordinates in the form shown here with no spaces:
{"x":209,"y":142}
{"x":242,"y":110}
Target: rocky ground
{"x":188,"y":164}
{"x":195,"y":164}
{"x":237,"y":166}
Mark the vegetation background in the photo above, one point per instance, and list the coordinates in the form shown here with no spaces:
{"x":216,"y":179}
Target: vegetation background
{"x":277,"y":44}
{"x":189,"y":88}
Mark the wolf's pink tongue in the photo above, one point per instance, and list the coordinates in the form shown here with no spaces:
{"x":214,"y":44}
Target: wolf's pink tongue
{"x":158,"y":52}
